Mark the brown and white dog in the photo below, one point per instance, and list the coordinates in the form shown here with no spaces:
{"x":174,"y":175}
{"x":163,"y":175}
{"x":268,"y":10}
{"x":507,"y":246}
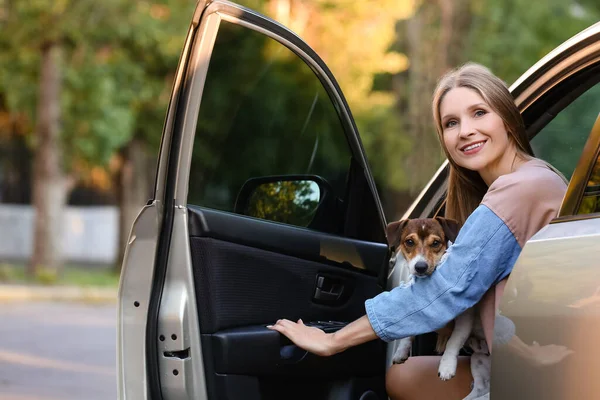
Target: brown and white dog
{"x":420,"y":245}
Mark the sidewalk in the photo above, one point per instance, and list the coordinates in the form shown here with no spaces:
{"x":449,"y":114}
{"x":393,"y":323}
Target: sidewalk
{"x":11,"y":292}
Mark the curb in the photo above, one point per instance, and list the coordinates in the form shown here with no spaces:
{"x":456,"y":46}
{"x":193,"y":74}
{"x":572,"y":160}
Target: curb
{"x":88,"y":294}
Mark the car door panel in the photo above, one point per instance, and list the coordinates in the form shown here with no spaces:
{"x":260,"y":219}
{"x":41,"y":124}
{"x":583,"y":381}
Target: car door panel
{"x":257,"y":351}
{"x":370,"y":257}
{"x":541,"y":301}
{"x":249,"y":272}
{"x":240,"y":285}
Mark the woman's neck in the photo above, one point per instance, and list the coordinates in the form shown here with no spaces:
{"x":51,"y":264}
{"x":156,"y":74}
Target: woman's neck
{"x":509,"y":162}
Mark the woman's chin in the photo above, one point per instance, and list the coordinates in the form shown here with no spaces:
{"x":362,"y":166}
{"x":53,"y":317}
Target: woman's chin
{"x":474,"y":164}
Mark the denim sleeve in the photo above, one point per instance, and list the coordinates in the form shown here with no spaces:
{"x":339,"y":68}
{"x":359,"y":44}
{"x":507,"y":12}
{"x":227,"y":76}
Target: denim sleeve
{"x":484,"y":253}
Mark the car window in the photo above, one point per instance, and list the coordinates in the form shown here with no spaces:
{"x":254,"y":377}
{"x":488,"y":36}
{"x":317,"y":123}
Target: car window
{"x":265,"y":113}
{"x":562,"y":140}
{"x":590,"y":203}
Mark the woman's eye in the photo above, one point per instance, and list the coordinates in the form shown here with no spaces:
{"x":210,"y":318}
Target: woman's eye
{"x":410,"y":243}
{"x":479,"y":113}
{"x":450,"y":124}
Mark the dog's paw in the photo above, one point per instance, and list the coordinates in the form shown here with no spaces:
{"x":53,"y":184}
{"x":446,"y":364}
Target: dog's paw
{"x":399,"y":360}
{"x":447,"y":368}
{"x":399,"y":357}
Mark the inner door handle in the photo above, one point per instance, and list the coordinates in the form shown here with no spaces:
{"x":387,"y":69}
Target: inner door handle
{"x":329,"y":289}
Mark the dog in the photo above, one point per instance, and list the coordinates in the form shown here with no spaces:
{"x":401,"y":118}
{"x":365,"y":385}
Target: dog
{"x":419,"y":247}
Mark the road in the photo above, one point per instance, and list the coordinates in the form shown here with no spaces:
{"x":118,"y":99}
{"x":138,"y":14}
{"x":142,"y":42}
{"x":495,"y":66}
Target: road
{"x":52,"y":351}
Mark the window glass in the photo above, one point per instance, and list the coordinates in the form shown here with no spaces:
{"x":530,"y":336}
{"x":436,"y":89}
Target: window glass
{"x":264,"y":113}
{"x":561,"y":141}
{"x":591,"y":196}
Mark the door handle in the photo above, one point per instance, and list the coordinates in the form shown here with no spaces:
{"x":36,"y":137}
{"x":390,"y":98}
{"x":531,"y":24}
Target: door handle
{"x":329,"y":289}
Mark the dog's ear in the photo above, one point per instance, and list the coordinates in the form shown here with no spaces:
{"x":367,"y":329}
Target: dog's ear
{"x":450,"y":227}
{"x":393,"y":231}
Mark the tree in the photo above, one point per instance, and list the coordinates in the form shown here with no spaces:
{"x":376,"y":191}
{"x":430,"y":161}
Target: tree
{"x":51,"y":185}
{"x":153,"y":43}
{"x":435,"y":39}
{"x":81,"y":113}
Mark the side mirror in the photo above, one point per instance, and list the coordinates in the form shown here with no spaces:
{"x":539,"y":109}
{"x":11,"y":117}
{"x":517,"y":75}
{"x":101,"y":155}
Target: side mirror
{"x":290,"y":199}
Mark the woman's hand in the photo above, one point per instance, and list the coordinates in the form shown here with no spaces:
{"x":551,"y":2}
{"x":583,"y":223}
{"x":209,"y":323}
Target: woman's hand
{"x":308,"y":338}
{"x":539,"y":355}
{"x":320,"y":343}
{"x":547,"y":355}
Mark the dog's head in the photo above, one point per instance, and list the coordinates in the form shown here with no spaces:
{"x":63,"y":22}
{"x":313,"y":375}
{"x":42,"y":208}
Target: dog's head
{"x":422,"y":242}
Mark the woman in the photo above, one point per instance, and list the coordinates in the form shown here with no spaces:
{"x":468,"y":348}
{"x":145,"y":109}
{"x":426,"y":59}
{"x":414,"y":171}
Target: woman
{"x":500,"y":194}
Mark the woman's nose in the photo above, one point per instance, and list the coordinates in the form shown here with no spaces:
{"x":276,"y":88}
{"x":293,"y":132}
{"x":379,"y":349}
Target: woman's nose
{"x":466,"y":130}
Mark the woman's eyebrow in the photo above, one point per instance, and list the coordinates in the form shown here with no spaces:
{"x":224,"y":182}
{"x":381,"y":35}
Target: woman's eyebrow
{"x":447,"y":117}
{"x":478,"y":105}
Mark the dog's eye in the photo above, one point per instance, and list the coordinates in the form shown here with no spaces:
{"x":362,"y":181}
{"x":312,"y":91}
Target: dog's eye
{"x":409,"y":242}
{"x":436,"y":243}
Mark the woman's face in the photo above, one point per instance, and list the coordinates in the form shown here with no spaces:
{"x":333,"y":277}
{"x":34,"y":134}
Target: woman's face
{"x":474,"y":134}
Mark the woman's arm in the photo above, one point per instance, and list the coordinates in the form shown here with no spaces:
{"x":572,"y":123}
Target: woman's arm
{"x":318,"y":342}
{"x":483,"y":253}
{"x":487,"y":310}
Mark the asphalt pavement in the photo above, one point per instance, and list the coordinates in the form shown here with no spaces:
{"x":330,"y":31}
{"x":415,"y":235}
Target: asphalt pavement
{"x":57,"y":350}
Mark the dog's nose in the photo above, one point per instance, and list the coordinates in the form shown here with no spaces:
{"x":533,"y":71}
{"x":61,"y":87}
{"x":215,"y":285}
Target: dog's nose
{"x":421,"y":267}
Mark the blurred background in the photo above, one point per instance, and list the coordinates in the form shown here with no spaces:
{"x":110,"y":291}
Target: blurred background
{"x":84,"y":87}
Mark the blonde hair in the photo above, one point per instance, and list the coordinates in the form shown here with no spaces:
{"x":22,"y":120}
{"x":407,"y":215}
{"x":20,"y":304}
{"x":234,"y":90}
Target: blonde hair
{"x":466,"y":188}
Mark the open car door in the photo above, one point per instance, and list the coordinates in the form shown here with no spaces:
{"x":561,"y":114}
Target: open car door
{"x":264,"y":208}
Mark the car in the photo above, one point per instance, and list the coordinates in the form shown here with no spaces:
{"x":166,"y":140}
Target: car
{"x":265,"y":207}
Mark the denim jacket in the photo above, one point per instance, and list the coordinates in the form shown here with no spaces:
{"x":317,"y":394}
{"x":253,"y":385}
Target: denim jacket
{"x":516,"y":206}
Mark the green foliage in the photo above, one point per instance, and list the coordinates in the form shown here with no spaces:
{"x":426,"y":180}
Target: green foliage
{"x":289,"y":202}
{"x":117,"y":59}
{"x":561,"y":141}
{"x":46,"y":276}
{"x":589,"y":205}
{"x":509,"y":36}
{"x":93,"y":91}
{"x":510,"y":41}
{"x":70,"y":275}
{"x":591,"y":201}
{"x":7,"y":273}
{"x":354,"y":39}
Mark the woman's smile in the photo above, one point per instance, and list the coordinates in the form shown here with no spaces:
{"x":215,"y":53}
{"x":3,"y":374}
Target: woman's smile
{"x":473,"y":148}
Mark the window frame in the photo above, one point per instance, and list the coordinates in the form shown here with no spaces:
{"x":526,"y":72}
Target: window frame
{"x":195,"y":78}
{"x":580,"y":179}
{"x":335,"y":178}
{"x":196,"y":75}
